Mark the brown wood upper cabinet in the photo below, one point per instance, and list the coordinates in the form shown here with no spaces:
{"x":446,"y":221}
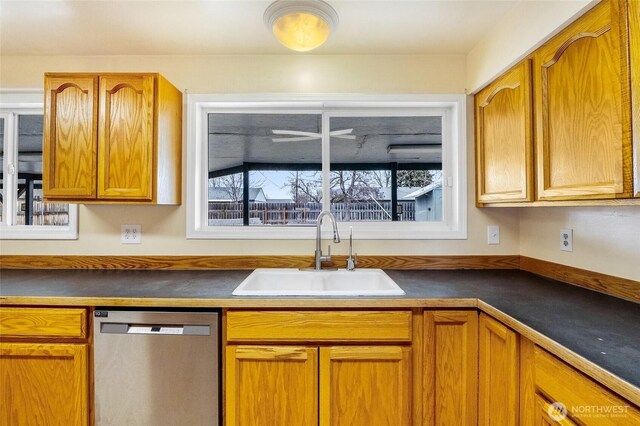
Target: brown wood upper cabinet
{"x":112,"y":138}
{"x":583,"y":115}
{"x":504,"y":138}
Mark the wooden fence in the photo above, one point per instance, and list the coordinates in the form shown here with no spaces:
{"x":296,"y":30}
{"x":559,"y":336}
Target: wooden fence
{"x":231,"y":213}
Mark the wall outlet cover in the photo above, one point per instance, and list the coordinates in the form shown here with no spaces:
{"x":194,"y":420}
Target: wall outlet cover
{"x":130,"y":234}
{"x":493,"y":234}
{"x":566,"y":239}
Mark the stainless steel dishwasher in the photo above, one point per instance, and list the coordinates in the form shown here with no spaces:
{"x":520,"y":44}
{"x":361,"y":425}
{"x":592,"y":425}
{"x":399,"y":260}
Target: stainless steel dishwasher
{"x":156,"y":368}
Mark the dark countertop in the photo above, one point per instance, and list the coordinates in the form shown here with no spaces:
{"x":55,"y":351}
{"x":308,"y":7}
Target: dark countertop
{"x":602,"y":329}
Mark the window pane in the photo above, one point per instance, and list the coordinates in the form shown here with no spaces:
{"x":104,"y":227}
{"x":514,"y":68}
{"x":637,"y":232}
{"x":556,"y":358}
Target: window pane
{"x":1,"y":168}
{"x":30,"y":208}
{"x":386,"y":168}
{"x":282,"y":155}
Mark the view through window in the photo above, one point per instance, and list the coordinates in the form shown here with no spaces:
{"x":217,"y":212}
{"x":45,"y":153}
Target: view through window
{"x":267,"y":169}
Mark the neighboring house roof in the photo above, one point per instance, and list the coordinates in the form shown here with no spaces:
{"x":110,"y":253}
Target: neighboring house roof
{"x":421,"y":191}
{"x":403,"y":192}
{"x":279,"y":200}
{"x":221,"y":194}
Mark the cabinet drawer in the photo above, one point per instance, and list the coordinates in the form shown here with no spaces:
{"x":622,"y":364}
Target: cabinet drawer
{"x":586,"y":400}
{"x":43,"y":322}
{"x":293,"y":326}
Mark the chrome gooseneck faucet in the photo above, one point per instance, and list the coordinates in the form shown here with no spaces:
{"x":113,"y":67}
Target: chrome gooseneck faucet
{"x":352,"y":260}
{"x":336,"y":238}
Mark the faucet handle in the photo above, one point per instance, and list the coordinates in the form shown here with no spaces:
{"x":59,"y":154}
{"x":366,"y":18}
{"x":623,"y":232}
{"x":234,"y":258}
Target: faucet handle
{"x":329,"y":251}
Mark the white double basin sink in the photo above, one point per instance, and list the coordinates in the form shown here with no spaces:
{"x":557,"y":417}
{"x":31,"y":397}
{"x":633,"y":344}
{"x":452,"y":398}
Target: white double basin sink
{"x":297,"y":282}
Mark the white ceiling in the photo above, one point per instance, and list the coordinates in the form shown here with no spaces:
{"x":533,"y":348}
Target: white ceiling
{"x":210,"y":27}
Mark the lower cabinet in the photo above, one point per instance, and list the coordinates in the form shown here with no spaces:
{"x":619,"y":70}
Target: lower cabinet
{"x":43,"y":384}
{"x":44,"y":366}
{"x":450,"y":368}
{"x":275,"y":385}
{"x":555,"y":393}
{"x":365,"y":385}
{"x":498,"y":372}
{"x":328,"y":368}
{"x":279,"y":385}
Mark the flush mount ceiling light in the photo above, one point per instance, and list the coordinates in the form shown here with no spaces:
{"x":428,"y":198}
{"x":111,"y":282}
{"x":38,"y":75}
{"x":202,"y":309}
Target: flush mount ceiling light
{"x":301,"y":25}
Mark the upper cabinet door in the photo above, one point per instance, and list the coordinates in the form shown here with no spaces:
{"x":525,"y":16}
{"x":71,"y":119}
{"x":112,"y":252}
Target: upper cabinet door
{"x":583,"y":131}
{"x":126,"y":137}
{"x":504,"y":138}
{"x":70,"y":137}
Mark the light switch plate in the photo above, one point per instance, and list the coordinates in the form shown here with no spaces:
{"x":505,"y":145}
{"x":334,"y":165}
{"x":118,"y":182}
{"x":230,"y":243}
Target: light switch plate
{"x":130,"y":234}
{"x":566,"y":239}
{"x":493,"y":234}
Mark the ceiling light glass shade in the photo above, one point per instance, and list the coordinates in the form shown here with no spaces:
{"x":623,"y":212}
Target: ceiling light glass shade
{"x":301,"y":25}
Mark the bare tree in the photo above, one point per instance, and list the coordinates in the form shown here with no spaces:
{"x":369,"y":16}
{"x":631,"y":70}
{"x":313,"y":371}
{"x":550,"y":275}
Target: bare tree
{"x":230,"y":184}
{"x":305,"y":187}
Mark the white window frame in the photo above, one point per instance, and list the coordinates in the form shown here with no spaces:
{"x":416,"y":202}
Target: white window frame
{"x":454,"y":160}
{"x":14,"y":103}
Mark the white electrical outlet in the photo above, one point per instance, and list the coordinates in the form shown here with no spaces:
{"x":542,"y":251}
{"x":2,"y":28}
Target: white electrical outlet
{"x":130,"y":234}
{"x":566,"y":239}
{"x":493,"y":234}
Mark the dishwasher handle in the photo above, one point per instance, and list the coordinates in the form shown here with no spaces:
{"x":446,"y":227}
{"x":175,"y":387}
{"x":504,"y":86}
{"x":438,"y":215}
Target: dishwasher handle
{"x":159,"y":329}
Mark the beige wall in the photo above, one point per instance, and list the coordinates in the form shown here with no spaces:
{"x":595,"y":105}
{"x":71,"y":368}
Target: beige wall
{"x":517,"y":34}
{"x":605,"y":239}
{"x":261,"y":74}
{"x":163,"y":227}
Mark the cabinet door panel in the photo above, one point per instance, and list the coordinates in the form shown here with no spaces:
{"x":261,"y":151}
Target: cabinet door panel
{"x":583,"y":138}
{"x":365,"y":385}
{"x":504,"y":138}
{"x":43,"y":384}
{"x":126,"y":138}
{"x":271,"y":385}
{"x":550,"y":415}
{"x":499,"y":361}
{"x":450,"y":367}
{"x":70,"y":137}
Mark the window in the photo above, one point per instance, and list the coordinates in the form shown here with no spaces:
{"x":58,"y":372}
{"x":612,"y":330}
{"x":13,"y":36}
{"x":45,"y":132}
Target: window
{"x":24,"y":213}
{"x":390,"y":169}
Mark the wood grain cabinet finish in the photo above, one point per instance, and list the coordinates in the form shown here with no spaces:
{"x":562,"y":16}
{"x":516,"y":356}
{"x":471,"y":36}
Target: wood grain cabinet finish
{"x":634,"y":55}
{"x":365,"y":385}
{"x":498,"y":373}
{"x":44,"y":384}
{"x":504,"y":144}
{"x":583,"y":115}
{"x":70,"y":137}
{"x":450,"y":368}
{"x":43,"y":322}
{"x":271,"y":385}
{"x":112,"y":138}
{"x":587,"y":402}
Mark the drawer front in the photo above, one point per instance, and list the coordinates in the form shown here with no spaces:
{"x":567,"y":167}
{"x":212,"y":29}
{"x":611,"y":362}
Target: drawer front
{"x":292,"y":326}
{"x":586,"y":400}
{"x":43,"y":322}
